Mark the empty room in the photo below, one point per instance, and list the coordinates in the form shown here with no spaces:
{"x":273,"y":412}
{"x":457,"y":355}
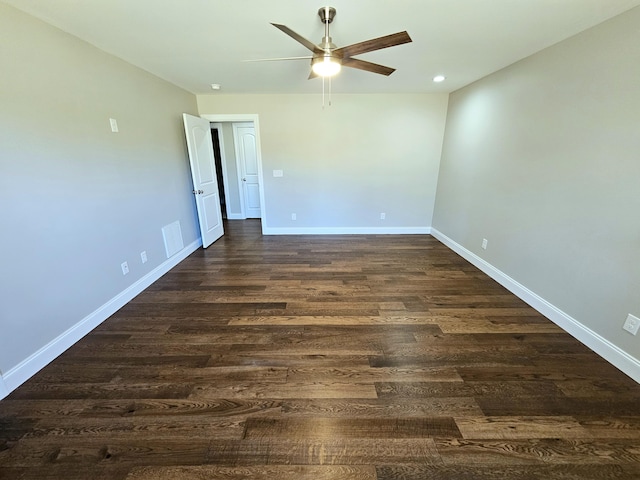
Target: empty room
{"x":357,"y":240}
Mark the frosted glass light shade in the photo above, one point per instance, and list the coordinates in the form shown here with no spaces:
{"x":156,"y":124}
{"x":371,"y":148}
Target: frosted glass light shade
{"x":326,"y":66}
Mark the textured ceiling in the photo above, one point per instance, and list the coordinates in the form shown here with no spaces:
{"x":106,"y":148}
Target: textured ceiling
{"x":193,"y":43}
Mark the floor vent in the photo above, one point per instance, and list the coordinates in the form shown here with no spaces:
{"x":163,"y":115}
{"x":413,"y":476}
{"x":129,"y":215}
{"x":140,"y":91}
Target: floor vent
{"x":172,"y":235}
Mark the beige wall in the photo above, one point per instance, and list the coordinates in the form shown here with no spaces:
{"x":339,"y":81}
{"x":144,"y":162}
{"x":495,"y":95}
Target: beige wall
{"x":346,"y":164}
{"x":543,"y":160}
{"x":77,"y":200}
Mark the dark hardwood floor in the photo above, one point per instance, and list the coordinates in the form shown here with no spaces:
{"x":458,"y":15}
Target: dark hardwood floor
{"x":343,"y":357}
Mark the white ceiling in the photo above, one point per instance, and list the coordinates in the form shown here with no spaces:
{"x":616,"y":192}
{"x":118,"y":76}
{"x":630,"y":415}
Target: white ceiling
{"x":193,"y":43}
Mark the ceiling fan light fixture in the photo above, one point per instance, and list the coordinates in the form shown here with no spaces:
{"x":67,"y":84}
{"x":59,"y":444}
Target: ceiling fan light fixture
{"x":326,"y":66}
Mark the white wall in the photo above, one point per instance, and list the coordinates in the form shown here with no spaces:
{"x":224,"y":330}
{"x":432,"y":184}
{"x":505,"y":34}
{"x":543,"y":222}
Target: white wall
{"x":75,"y":199}
{"x":543,"y":160}
{"x":346,"y":164}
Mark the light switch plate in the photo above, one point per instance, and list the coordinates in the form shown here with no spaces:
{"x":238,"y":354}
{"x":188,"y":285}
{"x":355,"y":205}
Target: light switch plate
{"x":278,"y":173}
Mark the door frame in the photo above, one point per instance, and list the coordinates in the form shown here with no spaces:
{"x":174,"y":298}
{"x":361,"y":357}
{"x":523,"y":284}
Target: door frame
{"x":247,"y":117}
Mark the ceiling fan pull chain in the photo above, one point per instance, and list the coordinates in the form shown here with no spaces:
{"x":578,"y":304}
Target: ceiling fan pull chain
{"x":323,"y":93}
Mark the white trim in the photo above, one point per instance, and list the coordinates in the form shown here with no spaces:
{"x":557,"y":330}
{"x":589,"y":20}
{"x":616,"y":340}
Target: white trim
{"x":40,"y":359}
{"x":4,"y":391}
{"x":248,"y":117}
{"x":235,"y":216}
{"x":348,"y":231}
{"x":603,"y":347}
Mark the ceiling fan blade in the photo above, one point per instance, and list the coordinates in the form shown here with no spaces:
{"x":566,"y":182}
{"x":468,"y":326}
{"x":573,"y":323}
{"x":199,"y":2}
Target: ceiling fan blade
{"x":373,"y":44}
{"x":309,"y":57}
{"x":299,"y":38}
{"x":367,"y":66}
{"x":312,"y":75}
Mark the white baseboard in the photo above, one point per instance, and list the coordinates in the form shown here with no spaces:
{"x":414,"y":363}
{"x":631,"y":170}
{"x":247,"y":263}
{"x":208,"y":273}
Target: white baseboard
{"x":348,"y":231}
{"x":603,"y":347}
{"x":235,"y":216}
{"x":4,"y":391}
{"x":19,"y":374}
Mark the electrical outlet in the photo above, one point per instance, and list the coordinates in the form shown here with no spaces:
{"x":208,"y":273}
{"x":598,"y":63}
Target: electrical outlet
{"x":383,"y":216}
{"x":632,"y":324}
{"x":125,"y":268}
{"x":294,"y":216}
{"x":114,"y":125}
{"x":485,"y":242}
{"x":143,"y":256}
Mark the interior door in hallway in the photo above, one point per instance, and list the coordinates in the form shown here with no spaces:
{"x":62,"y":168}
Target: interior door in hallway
{"x":247,"y":158}
{"x":205,"y":181}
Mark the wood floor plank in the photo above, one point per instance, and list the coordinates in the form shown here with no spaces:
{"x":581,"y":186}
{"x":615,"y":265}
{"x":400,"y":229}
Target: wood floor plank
{"x":217,"y":375}
{"x":290,"y":361}
{"x":195,"y":426}
{"x":547,"y":450}
{"x":611,"y":427}
{"x":500,"y":472}
{"x":297,"y":357}
{"x":368,"y":374}
{"x":480,"y":325}
{"x":324,"y":451}
{"x":267,"y":472}
{"x":332,"y":320}
{"x":415,"y":427}
{"x":507,"y":392}
{"x":379,"y":408}
{"x":35,"y":390}
{"x":77,"y":472}
{"x":212,"y":408}
{"x":99,"y":451}
{"x":287,"y":390}
{"x":521,"y":427}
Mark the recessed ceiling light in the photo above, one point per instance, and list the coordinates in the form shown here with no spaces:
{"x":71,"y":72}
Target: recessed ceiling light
{"x":216,"y":86}
{"x":439,"y":78}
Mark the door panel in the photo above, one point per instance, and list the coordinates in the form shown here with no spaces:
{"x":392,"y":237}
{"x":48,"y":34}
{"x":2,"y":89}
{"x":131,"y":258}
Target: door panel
{"x":205,"y":182}
{"x":247,"y":157}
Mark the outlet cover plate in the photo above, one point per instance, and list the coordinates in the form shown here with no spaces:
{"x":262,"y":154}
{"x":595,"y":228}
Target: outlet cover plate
{"x":632,"y":324}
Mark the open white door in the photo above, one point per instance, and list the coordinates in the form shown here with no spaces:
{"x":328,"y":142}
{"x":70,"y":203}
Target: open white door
{"x":205,"y":181}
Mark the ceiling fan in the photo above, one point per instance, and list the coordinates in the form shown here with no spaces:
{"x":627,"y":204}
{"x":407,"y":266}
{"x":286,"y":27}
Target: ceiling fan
{"x":327,"y":59}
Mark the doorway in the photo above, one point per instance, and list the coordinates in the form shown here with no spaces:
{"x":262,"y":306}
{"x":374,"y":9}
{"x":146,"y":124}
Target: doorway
{"x":232,"y":168}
